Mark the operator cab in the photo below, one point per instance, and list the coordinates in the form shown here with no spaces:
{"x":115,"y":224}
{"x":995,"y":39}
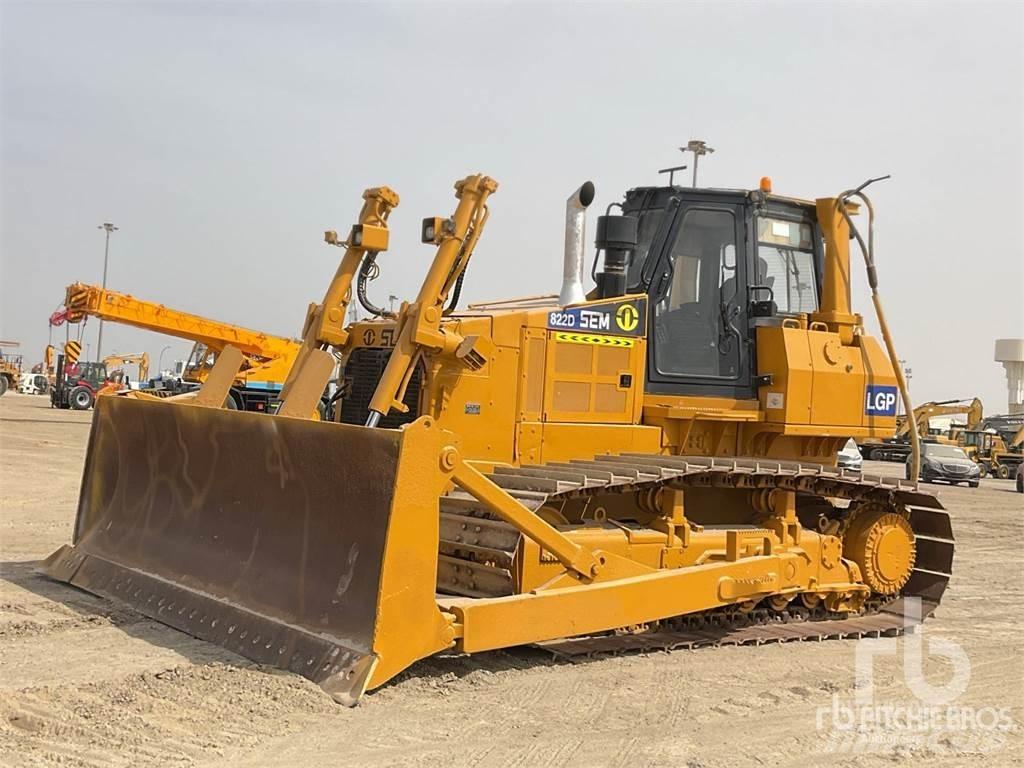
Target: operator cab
{"x":715,"y":264}
{"x":94,"y":374}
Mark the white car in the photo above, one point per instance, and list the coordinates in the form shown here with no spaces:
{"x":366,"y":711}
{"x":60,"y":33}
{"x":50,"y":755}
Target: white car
{"x":33,"y":384}
{"x":849,"y":457}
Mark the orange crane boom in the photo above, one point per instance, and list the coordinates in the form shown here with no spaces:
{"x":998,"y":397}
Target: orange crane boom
{"x":266,"y":358}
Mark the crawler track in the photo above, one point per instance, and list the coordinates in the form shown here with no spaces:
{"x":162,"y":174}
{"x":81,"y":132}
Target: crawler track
{"x":476,"y":551}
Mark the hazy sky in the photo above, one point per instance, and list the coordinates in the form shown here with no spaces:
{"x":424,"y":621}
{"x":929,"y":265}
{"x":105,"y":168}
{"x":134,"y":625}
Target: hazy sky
{"x":224,"y":138}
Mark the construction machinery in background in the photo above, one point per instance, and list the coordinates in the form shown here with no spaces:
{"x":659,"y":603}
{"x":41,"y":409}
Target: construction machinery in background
{"x":118,"y":379}
{"x":116,"y":362}
{"x":994,"y":455}
{"x":48,"y":366}
{"x":10,"y":366}
{"x":266,"y":358}
{"x":1007,"y":425}
{"x":78,"y":382}
{"x":651,"y":465}
{"x":898,"y":446}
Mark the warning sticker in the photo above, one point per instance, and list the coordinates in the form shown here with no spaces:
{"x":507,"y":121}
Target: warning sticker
{"x":595,"y":339}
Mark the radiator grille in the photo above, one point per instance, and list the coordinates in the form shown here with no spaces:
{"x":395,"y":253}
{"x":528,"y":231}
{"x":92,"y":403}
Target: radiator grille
{"x":363,"y":370}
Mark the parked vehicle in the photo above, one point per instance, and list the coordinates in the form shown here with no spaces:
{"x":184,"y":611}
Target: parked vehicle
{"x":33,"y":384}
{"x":947,"y":463}
{"x":849,"y":457}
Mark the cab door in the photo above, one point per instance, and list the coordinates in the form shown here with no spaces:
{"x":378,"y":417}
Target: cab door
{"x":698,"y":332}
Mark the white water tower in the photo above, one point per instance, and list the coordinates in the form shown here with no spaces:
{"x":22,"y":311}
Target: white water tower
{"x":1010,"y":352}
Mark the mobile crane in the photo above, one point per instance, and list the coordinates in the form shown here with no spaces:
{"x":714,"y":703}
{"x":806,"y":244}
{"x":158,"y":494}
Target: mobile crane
{"x":266,"y":359}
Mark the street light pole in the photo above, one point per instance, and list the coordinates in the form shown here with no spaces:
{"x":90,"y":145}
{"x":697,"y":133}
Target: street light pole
{"x":160,"y":361}
{"x":106,"y":253}
{"x":907,"y":375}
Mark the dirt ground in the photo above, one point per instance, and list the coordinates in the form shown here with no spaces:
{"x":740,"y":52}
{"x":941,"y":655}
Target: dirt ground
{"x":86,"y":682}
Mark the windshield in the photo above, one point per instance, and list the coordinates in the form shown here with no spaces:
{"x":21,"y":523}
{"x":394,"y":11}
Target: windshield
{"x":943,"y":451}
{"x":201,"y":357}
{"x":89,"y":371}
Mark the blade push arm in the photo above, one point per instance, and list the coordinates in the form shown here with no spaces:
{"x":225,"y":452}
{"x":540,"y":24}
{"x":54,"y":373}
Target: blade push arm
{"x":325,"y":322}
{"x":419,"y":324}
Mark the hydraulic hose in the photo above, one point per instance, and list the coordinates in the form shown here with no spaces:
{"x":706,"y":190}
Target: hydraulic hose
{"x":456,"y":292}
{"x":868,"y":250}
{"x":369,"y":271}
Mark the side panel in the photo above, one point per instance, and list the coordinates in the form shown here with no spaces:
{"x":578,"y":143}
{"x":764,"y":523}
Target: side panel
{"x":838,"y":391}
{"x":563,"y":442}
{"x":783,"y":354}
{"x":531,"y":374}
{"x":878,"y":372}
{"x":592,"y":378}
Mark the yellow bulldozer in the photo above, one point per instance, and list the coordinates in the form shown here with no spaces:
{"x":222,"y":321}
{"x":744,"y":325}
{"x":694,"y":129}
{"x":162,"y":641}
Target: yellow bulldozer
{"x":647,"y":465}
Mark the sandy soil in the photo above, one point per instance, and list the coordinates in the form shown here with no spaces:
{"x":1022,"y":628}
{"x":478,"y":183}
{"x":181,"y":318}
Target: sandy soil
{"x":85,"y":682}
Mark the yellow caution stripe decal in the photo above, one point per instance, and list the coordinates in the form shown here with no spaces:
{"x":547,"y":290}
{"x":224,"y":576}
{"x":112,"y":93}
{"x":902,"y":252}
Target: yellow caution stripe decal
{"x":72,"y":351}
{"x":595,"y":339}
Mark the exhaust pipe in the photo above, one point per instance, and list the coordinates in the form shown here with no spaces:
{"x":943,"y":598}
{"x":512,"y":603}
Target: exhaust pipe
{"x":575,"y":230}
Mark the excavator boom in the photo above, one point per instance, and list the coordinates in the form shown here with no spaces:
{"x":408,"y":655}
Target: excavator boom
{"x":924,"y":413}
{"x":141,"y":359}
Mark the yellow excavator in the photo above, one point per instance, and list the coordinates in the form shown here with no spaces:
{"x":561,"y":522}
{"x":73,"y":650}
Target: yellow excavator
{"x":266,"y":359}
{"x":924,"y":413}
{"x":647,"y":465}
{"x":117,"y":377}
{"x":898,"y":447}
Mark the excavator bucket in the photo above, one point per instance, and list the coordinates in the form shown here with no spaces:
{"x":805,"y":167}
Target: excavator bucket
{"x":303,"y":545}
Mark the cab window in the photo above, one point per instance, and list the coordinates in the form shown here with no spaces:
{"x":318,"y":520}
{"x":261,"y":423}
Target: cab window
{"x":785,"y":264}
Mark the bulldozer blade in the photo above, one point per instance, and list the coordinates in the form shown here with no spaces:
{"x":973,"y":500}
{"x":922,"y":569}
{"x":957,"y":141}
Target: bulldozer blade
{"x":302,"y":545}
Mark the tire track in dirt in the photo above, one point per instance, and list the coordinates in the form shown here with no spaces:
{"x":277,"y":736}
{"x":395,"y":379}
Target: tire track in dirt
{"x":118,"y":690}
{"x":180,"y":715}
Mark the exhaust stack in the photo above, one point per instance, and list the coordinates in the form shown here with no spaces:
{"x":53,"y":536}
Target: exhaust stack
{"x":575,"y":230}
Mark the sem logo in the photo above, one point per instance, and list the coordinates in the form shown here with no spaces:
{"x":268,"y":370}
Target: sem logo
{"x":626,"y":317}
{"x":619,"y":318}
{"x":880,"y":400}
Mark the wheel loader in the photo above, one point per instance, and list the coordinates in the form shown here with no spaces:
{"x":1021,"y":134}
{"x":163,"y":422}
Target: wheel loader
{"x":650,"y":464}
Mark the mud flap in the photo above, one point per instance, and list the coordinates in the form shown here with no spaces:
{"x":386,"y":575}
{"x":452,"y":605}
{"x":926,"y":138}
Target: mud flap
{"x":303,"y":545}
